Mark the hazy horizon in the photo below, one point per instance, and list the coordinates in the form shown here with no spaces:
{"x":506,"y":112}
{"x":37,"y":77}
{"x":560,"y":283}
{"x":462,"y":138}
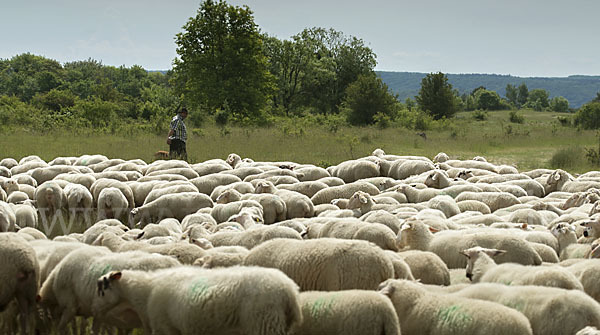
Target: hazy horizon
{"x":550,"y":38}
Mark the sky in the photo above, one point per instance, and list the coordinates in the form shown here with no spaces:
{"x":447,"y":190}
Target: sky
{"x":526,"y":38}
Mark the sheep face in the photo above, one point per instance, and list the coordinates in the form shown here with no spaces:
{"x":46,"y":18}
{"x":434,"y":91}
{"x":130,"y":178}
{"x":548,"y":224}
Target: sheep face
{"x":474,"y":255}
{"x":358,"y":200}
{"x":233,"y":160}
{"x":108,"y":295}
{"x":592,"y":228}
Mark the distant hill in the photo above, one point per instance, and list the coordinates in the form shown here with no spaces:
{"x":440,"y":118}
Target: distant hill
{"x":577,"y":89}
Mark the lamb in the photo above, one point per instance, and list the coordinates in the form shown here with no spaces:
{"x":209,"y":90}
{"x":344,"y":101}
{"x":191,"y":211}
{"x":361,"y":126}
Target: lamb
{"x":50,"y":199}
{"x":17,"y":197}
{"x":426,"y":267}
{"x":355,"y":229}
{"x":472,"y":164}
{"x":252,"y":237}
{"x":22,"y":168}
{"x":142,"y":189}
{"x":494,"y":200}
{"x":187,"y":172}
{"x":104,"y":183}
{"x":345,"y":191}
{"x":242,"y":187}
{"x":550,"y":310}
{"x":482,"y":268}
{"x":159,"y":190}
{"x":556,"y":180}
{"x":363,"y":203}
{"x":210,"y":167}
{"x":171,"y":205}
{"x":351,"y":312}
{"x":8,"y":219}
{"x":325,"y":264}
{"x":9,"y":162}
{"x":70,"y":286}
{"x":79,"y":201}
{"x":222,"y":257}
{"x":164,"y":165}
{"x":445,"y":204}
{"x":222,"y":212}
{"x":308,"y":188}
{"x":274,"y":208}
{"x":297,"y":205}
{"x":423,"y":312}
{"x":20,"y":276}
{"x":415,"y":234}
{"x":353,"y":170}
{"x":591,"y":232}
{"x":384,"y":218}
{"x":231,"y":300}
{"x":25,"y":215}
{"x":401,"y":267}
{"x":586,"y":271}
{"x":312,"y":173}
{"x":112,"y":204}
{"x":441,"y":157}
{"x":414,"y":195}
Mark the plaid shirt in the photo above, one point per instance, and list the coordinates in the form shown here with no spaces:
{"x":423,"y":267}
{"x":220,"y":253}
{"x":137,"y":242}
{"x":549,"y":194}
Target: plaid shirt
{"x":177,"y":125}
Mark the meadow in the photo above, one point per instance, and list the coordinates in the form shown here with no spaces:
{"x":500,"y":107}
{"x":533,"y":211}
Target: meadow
{"x":541,"y":141}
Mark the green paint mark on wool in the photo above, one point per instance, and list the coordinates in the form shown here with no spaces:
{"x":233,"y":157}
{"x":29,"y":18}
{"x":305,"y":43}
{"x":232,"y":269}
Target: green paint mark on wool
{"x":199,"y":288}
{"x":454,"y":317}
{"x":97,"y":270}
{"x":322,"y":307}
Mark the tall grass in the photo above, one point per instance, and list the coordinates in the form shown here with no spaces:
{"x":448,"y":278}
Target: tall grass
{"x":529,"y":145}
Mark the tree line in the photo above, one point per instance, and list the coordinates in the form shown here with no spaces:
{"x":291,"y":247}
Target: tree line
{"x":227,"y":69}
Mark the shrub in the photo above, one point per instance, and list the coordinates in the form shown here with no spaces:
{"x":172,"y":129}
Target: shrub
{"x":588,"y":116}
{"x":515,"y":117}
{"x":559,"y":104}
{"x":567,"y":158}
{"x":564,"y":120}
{"x":480,"y":115}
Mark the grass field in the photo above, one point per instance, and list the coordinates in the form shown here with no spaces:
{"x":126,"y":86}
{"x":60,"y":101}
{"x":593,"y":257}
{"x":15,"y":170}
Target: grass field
{"x":529,"y":145}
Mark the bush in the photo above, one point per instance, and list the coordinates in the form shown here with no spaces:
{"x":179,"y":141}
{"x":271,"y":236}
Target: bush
{"x":588,"y":116}
{"x":480,"y":115}
{"x":515,"y":117}
{"x":559,"y":104}
{"x":564,"y":121}
{"x":567,"y":158}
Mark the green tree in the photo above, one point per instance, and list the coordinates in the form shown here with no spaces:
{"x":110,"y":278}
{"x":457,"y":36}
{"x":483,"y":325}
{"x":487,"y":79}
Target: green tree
{"x":597,"y":98}
{"x":512,"y":94}
{"x":538,"y":99}
{"x":559,"y":104}
{"x":489,"y":100}
{"x":436,"y":96}
{"x":315,"y":67}
{"x":26,"y":75}
{"x":221,"y":61}
{"x":367,"y":97}
{"x":588,"y":116}
{"x":523,"y":94}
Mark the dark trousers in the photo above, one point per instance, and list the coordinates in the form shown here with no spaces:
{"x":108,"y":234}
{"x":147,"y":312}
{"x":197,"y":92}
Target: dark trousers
{"x":177,"y":150}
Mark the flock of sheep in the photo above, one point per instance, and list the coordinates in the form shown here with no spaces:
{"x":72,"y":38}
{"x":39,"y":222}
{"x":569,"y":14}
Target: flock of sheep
{"x":383,"y":244}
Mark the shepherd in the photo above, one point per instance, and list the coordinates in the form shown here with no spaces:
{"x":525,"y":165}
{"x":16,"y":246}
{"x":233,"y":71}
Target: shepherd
{"x":178,"y":136}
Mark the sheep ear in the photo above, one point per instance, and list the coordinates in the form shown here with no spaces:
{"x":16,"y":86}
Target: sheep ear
{"x":557,"y":176}
{"x":140,"y":235}
{"x":464,"y":254}
{"x":524,"y":226}
{"x":496,"y":252}
{"x":572,"y":228}
{"x":433,"y":230}
{"x":387,"y":290}
{"x":434,"y":177}
{"x":115,"y":275}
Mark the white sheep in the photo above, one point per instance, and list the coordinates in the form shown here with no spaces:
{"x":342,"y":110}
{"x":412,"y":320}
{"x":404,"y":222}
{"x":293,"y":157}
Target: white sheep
{"x":422,"y":312}
{"x":494,"y":200}
{"x":169,"y":188}
{"x":230,"y":300}
{"x":171,"y":205}
{"x":354,"y":229}
{"x":345,"y":191}
{"x":415,"y":234}
{"x":325,"y":264}
{"x":353,"y":170}
{"x":112,"y":204}
{"x":209,"y":167}
{"x":351,"y":312}
{"x":70,"y":287}
{"x":426,"y":267}
{"x":586,"y":271}
{"x":8,"y":219}
{"x":482,"y":268}
{"x":79,"y":201}
{"x":297,"y":205}
{"x":25,"y":215}
{"x":308,"y":188}
{"x":9,"y":162}
{"x":222,"y":212}
{"x":274,"y":208}
{"x":550,"y":310}
{"x":252,"y":237}
{"x":50,"y":199}
{"x":20,"y":276}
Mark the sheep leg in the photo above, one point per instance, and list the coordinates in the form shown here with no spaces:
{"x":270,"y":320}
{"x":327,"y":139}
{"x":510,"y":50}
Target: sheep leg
{"x":24,"y":311}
